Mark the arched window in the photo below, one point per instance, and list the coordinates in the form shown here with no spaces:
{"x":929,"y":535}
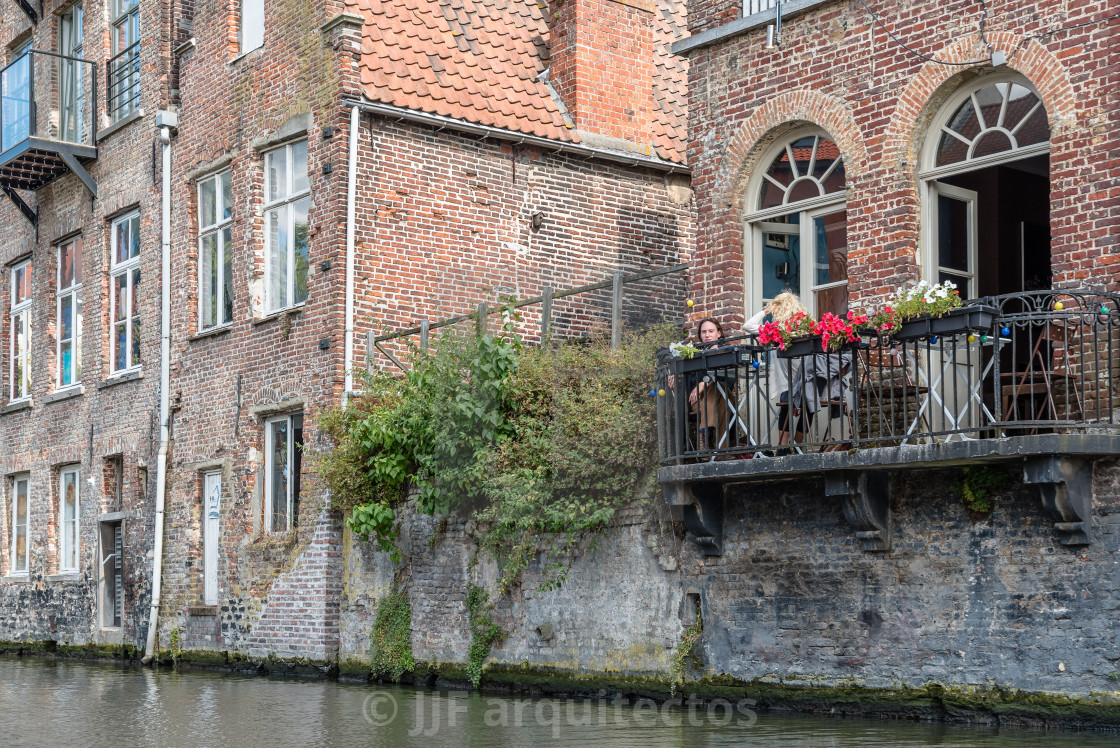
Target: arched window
{"x":797,"y":228}
{"x":985,"y":189}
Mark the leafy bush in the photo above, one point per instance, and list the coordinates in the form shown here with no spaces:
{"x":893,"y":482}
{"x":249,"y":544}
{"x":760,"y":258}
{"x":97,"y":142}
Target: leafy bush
{"x":977,"y":485}
{"x":390,"y":648}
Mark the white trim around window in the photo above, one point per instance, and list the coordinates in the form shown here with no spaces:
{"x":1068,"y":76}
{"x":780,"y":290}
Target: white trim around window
{"x":68,"y":329}
{"x":69,"y":518}
{"x":283,"y":451}
{"x":19,"y":348}
{"x":20,"y":537}
{"x":215,"y":243}
{"x":287,"y":201}
{"x":124,"y":285}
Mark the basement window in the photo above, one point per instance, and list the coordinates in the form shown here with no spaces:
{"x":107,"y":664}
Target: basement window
{"x":283,"y":451}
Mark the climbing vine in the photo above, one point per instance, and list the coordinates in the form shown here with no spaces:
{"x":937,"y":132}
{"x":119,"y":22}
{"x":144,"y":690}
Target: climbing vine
{"x":390,"y":646}
{"x":976,"y":487}
{"x":485,"y":631}
{"x":685,"y":653}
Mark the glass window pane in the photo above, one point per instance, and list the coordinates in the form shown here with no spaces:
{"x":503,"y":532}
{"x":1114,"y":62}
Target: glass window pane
{"x":831,"y":260}
{"x":120,"y":296}
{"x":208,"y":257}
{"x":22,"y":283}
{"x":227,"y":197}
{"x":299,"y":166}
{"x":66,"y":318}
{"x":299,"y":253}
{"x":135,"y":341}
{"x":66,"y":265}
{"x":297,"y":461}
{"x":77,"y":342}
{"x":207,"y":203}
{"x":276,"y":174}
{"x":277,"y":258}
{"x":65,"y":362}
{"x":781,"y":259}
{"x":121,"y":345}
{"x":952,"y":233}
{"x":279,"y":474}
{"x":134,"y":236}
{"x":1035,"y":130}
{"x":1020,"y":101}
{"x":227,"y":275}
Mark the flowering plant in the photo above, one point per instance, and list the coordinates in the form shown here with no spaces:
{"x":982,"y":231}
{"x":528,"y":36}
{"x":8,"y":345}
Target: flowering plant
{"x":834,"y":331}
{"x":683,"y":350}
{"x":885,"y":321}
{"x":936,"y":301}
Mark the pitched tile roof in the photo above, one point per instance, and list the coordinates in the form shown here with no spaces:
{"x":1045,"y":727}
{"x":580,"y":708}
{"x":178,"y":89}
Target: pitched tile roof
{"x":482,"y":60}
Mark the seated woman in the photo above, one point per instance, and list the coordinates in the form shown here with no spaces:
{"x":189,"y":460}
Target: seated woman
{"x":785,"y":306}
{"x":708,"y":398}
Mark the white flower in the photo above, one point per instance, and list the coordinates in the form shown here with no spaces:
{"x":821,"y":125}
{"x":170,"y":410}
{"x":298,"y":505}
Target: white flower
{"x":928,"y":300}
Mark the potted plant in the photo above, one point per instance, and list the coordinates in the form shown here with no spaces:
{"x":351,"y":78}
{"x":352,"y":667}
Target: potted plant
{"x":915,"y":308}
{"x":801,"y":335}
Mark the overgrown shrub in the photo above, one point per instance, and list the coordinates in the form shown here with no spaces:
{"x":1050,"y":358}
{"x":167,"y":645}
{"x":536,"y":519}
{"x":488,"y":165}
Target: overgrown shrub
{"x":390,"y":647}
{"x":977,"y":485}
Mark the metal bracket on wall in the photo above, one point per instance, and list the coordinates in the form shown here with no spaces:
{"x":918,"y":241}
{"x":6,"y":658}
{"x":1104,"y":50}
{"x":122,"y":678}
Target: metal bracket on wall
{"x":700,"y":507}
{"x":866,"y":506}
{"x":1066,"y":485}
{"x":80,"y":171}
{"x":28,"y":213}
{"x":25,"y":6}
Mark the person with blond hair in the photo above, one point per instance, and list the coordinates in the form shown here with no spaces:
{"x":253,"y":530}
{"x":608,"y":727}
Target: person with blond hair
{"x":783,"y":307}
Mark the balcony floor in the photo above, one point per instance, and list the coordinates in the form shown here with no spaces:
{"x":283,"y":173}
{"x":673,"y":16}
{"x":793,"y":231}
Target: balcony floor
{"x":34,"y":162}
{"x":918,"y":456}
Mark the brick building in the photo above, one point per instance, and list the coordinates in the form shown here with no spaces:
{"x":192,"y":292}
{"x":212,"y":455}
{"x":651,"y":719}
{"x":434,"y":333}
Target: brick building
{"x":83,"y":88}
{"x":997,"y":122}
{"x":363,"y":167}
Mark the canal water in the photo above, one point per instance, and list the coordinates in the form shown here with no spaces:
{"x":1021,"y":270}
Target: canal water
{"x":50,"y":703}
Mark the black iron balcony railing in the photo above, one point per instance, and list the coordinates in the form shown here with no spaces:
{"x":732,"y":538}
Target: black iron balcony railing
{"x":48,"y":120}
{"x":1021,"y":364}
{"x":122,"y":73}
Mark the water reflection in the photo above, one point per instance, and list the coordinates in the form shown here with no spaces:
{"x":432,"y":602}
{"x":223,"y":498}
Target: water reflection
{"x":66,"y":703}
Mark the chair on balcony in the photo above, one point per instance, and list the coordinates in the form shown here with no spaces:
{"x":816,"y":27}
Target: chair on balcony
{"x":888,"y":393}
{"x":1034,"y":385}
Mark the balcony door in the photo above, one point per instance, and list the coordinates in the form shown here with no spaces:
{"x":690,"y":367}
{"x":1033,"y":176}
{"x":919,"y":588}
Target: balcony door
{"x":70,"y":78}
{"x":15,"y":98}
{"x":953,"y":237}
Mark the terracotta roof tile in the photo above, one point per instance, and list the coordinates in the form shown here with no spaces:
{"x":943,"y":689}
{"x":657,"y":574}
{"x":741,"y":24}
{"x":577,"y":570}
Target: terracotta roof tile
{"x":480,"y":60}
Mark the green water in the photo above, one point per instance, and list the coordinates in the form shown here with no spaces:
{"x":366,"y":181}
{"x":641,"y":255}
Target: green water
{"x":49,"y":703}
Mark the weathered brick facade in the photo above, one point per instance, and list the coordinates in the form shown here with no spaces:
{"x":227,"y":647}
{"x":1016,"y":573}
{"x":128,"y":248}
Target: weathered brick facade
{"x":444,"y":219}
{"x":107,"y":420}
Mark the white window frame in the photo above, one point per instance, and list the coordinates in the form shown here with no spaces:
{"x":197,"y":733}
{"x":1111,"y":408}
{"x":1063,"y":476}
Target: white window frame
{"x":250,"y":29}
{"x":126,"y":268}
{"x":18,"y":569}
{"x":283,"y":205}
{"x":211,"y":534}
{"x":20,"y":320}
{"x":291,"y":494}
{"x":761,"y":221}
{"x":68,"y":556}
{"x":218,"y":229}
{"x":73,"y":292}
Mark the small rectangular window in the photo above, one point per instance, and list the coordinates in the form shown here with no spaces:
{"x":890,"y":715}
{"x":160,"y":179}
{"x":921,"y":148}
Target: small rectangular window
{"x":250,"y":34}
{"x":19,"y":375}
{"x":69,"y":329}
{"x":287,"y":195}
{"x":124,"y":285}
{"x":20,"y":547}
{"x":283,"y":456}
{"x":124,"y":66}
{"x":68,"y":519}
{"x":215,"y":242}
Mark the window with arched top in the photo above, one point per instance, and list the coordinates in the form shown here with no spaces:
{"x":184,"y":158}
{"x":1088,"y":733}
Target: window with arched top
{"x":797,"y":229}
{"x":985,"y":177}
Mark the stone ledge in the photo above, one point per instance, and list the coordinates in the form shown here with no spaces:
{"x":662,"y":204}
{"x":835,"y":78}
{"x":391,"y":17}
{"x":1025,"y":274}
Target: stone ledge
{"x":213,"y":332}
{"x":128,"y":376}
{"x":65,"y":394}
{"x":16,"y":407}
{"x":202,"y":610}
{"x":119,"y":125}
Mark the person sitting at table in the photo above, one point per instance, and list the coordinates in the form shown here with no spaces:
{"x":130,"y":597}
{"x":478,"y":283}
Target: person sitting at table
{"x":783,"y":307}
{"x":708,"y":398}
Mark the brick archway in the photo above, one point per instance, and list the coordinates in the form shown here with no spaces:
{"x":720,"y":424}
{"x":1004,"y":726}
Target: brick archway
{"x":779,"y":115}
{"x":934,"y":83}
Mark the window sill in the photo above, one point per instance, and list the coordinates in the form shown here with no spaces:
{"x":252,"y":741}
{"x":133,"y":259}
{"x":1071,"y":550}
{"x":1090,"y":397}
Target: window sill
{"x":272,"y":316}
{"x":21,"y":578}
{"x":202,"y":610}
{"x":119,"y":125}
{"x":71,"y":391}
{"x":66,"y":576}
{"x":127,"y":376}
{"x":242,"y":55}
{"x":211,"y":333}
{"x":16,"y":407}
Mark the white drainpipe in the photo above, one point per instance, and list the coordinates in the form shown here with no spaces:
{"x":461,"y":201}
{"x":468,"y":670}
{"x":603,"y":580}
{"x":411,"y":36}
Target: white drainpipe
{"x":351,"y":190}
{"x":165,"y":121}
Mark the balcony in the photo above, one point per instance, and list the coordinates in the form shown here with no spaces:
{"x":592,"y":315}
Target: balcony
{"x":48,"y":118}
{"x":1027,"y":378}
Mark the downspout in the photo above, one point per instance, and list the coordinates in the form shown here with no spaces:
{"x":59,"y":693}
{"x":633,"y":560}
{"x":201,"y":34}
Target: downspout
{"x":351,"y":190}
{"x":165,"y":121}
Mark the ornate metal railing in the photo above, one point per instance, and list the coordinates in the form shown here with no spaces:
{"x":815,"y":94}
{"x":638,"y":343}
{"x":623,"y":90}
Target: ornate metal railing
{"x":1018,"y":364}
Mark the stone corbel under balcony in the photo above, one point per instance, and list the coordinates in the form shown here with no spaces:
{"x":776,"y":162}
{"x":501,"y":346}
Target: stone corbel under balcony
{"x":1066,"y":486}
{"x":700,"y":507}
{"x":867,"y":506}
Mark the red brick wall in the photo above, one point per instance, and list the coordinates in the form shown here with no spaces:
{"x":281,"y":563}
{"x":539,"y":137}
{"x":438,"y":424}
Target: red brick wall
{"x":839,"y":71}
{"x":601,"y":64}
